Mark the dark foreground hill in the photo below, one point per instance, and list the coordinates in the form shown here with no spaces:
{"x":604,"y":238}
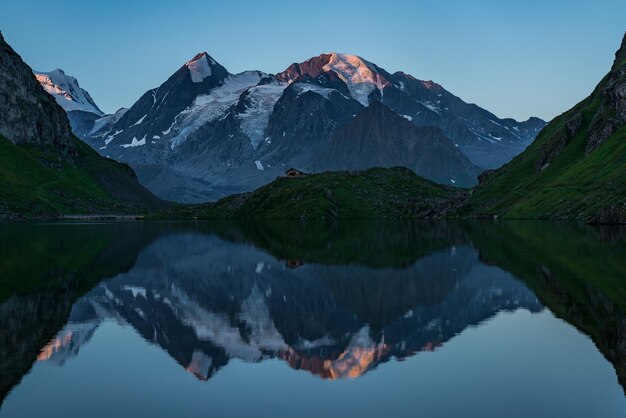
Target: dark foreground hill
{"x":374,"y":193}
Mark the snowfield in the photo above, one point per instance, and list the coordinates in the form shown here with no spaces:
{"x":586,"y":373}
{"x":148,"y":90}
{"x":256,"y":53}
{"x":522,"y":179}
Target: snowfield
{"x":199,"y":69}
{"x":66,"y":91}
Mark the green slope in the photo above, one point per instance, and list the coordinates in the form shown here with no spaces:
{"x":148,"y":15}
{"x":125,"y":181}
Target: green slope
{"x":373,"y":193}
{"x":566,"y":172}
{"x":36,"y":182}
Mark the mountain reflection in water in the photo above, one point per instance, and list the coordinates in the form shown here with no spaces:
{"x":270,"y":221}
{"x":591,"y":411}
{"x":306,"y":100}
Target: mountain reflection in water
{"x":206,"y":301}
{"x":337,"y":301}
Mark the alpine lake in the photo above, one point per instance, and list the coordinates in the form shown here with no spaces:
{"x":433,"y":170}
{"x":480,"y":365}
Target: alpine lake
{"x":308,"y":319}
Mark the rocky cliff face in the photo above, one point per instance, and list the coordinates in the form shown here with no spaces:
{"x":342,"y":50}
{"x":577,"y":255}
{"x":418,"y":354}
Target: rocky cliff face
{"x":39,"y":151}
{"x":598,"y":117}
{"x":611,"y":114}
{"x":27,"y":113}
{"x":378,"y":137}
{"x":486,"y":139}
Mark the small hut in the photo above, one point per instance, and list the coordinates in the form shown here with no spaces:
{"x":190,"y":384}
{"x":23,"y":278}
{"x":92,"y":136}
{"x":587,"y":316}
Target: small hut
{"x":294,"y":173}
{"x":294,"y":264}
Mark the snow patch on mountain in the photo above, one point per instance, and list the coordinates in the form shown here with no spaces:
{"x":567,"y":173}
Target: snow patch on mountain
{"x":67,"y":343}
{"x":209,"y":326}
{"x":199,"y":69}
{"x":361,"y":354}
{"x":358,"y":74}
{"x":200,"y":365}
{"x":136,"y":291}
{"x":135,"y":143}
{"x":110,"y":138}
{"x":304,"y":344}
{"x":140,"y":120}
{"x":256,"y":315}
{"x":209,"y":107}
{"x":304,"y":87}
{"x":107,"y":121}
{"x":432,"y":106}
{"x":261,"y":101}
{"x":67,"y":92}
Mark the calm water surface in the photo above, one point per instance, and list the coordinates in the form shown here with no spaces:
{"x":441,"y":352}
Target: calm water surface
{"x":355,"y":319}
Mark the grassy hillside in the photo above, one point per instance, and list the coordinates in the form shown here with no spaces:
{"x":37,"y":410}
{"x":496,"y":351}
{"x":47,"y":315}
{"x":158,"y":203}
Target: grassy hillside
{"x":575,"y":185}
{"x":576,"y":168}
{"x":373,"y":193}
{"x":37,"y":182}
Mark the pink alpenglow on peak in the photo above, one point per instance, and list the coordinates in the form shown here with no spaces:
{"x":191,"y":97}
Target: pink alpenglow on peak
{"x":199,"y":67}
{"x":359,"y":75}
{"x":67,"y":92}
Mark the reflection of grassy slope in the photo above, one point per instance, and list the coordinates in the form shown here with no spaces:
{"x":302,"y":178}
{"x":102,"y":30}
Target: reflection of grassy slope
{"x":42,"y":259}
{"x":374,"y":193}
{"x":575,"y":271}
{"x":41,"y":256}
{"x":35,"y":182}
{"x":44,"y":269}
{"x":381,"y":291}
{"x":376,"y":244}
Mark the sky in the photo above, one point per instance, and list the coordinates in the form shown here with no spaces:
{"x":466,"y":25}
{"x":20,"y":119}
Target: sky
{"x":515,"y":58}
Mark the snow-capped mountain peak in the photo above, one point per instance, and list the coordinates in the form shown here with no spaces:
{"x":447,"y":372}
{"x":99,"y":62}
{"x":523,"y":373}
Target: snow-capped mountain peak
{"x":205,"y":133}
{"x":200,"y":67}
{"x":67,"y":92}
{"x":359,"y":75}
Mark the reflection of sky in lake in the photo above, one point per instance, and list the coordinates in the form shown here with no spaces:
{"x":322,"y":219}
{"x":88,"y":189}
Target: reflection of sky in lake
{"x":523,"y":364}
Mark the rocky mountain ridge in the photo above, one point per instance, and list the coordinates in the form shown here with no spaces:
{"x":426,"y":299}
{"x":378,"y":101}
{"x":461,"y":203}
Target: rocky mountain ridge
{"x":27,"y":114}
{"x":206,"y":133}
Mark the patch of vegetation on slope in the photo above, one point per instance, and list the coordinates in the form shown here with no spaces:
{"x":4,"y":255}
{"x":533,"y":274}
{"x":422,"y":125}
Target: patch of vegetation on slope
{"x":576,"y":168}
{"x":374,"y":193}
{"x":36,"y":182}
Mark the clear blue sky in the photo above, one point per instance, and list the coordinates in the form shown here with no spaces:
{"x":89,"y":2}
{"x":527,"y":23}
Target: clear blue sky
{"x":515,"y":58}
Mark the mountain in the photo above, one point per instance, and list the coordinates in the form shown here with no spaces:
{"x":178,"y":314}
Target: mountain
{"x":371,"y":194}
{"x":334,"y":321}
{"x":574,"y":169}
{"x":205,"y":133}
{"x":81,"y":110}
{"x":487,"y":140}
{"x":379,"y":137}
{"x":44,"y":169}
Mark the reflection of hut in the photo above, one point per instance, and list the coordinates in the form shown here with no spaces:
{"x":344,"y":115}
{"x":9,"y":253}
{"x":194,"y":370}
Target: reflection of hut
{"x":292,"y":264}
{"x":293,"y":173}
